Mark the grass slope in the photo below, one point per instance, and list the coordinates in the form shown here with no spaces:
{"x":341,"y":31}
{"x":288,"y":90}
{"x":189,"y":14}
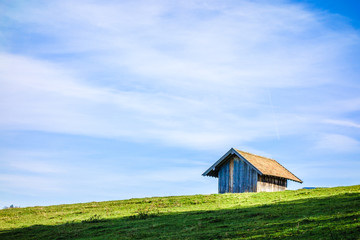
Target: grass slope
{"x":327,"y":213}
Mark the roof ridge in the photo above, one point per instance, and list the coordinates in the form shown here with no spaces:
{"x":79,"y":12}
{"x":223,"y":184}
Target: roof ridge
{"x":255,"y":155}
{"x":271,"y":160}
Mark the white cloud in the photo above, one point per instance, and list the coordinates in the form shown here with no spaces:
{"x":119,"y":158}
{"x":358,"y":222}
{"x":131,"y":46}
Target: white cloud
{"x":344,"y":123}
{"x":337,"y":143}
{"x":30,"y":185}
{"x":190,"y":74}
{"x":34,"y":166}
{"x":41,"y":96}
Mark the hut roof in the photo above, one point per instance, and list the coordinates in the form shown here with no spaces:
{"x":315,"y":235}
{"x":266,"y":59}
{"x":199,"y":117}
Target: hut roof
{"x":263,"y":165}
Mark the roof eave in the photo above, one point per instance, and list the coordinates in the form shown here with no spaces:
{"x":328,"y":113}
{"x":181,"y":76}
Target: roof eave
{"x":299,"y":181}
{"x":220,"y":161}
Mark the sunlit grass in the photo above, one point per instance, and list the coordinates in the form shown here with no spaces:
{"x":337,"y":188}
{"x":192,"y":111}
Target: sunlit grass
{"x":325,"y":213}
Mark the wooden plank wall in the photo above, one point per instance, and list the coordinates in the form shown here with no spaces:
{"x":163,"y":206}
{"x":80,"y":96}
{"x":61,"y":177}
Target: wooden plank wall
{"x":271,"y":184}
{"x":231,"y":175}
{"x":221,"y":180}
{"x":246,"y":175}
{"x":224,"y":178}
{"x":237,"y":176}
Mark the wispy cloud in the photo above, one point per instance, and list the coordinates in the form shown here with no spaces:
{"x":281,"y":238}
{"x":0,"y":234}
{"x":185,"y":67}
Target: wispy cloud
{"x":30,"y":185}
{"x":337,"y":143}
{"x":344,"y":123}
{"x":29,"y":165}
{"x":192,"y":74}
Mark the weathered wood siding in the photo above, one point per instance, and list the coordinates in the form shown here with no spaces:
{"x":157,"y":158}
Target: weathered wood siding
{"x":236,"y":176}
{"x":271,"y":184}
{"x":224,"y":178}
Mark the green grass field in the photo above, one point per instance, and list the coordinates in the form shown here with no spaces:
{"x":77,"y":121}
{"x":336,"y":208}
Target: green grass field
{"x":325,"y":213}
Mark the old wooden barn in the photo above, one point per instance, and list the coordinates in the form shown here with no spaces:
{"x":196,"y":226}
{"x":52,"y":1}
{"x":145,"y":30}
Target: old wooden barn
{"x":240,"y":171}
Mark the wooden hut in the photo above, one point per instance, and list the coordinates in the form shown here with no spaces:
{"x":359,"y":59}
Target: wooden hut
{"x":240,"y":171}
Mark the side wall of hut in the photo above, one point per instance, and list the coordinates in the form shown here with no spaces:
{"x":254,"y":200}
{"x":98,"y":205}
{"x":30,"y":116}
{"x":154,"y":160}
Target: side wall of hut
{"x":271,"y":184}
{"x":236,"y":176}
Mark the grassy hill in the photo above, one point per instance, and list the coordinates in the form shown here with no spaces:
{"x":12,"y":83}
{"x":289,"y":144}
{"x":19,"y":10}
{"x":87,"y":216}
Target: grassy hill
{"x":326,"y":213}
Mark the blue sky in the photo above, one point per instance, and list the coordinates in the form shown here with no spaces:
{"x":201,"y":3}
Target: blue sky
{"x":106,"y":100}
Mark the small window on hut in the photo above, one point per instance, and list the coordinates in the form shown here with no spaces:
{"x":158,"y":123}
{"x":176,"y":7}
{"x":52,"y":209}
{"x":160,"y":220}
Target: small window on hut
{"x":273,"y":180}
